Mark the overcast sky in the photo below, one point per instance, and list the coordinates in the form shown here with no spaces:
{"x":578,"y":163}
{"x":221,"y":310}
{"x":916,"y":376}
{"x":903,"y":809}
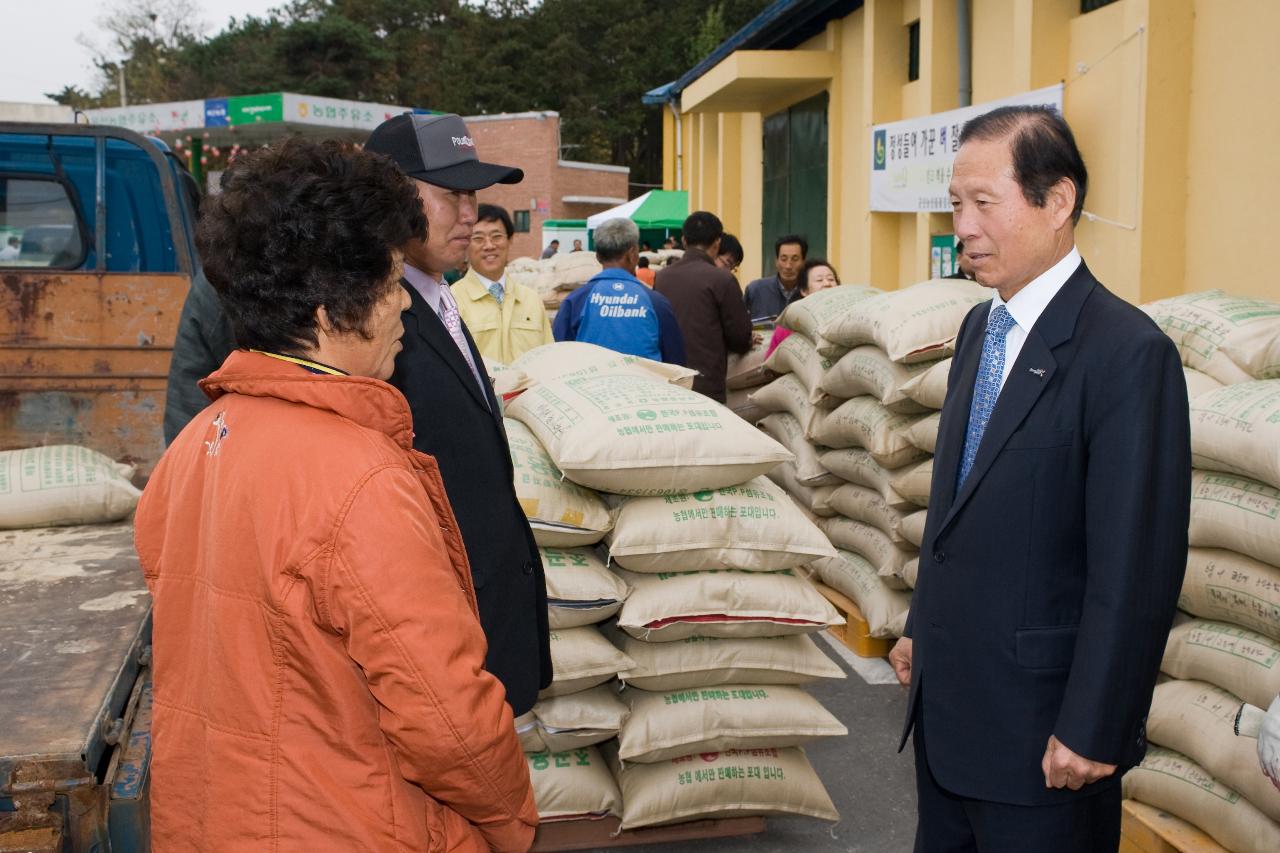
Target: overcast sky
{"x":39,"y":51}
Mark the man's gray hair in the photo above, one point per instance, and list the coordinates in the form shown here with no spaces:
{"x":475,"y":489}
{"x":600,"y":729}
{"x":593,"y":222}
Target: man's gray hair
{"x":613,"y":238}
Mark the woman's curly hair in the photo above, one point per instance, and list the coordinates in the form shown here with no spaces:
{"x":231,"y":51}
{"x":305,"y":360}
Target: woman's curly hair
{"x":302,"y":224}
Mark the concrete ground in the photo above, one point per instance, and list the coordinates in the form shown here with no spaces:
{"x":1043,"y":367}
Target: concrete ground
{"x":871,"y":784}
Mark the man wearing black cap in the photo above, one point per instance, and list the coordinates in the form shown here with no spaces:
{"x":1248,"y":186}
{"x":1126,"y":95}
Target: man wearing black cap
{"x":456,"y":418}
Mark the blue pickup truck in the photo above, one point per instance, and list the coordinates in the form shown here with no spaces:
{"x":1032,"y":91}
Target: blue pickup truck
{"x":96,"y":258}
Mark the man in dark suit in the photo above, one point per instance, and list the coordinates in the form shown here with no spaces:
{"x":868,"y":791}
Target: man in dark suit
{"x":456,"y":417}
{"x":1057,"y":532}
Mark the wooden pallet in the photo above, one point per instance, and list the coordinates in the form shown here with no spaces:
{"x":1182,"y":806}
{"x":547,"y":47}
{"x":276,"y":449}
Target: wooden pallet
{"x":592,"y":834}
{"x":1145,"y":829}
{"x":855,"y":633}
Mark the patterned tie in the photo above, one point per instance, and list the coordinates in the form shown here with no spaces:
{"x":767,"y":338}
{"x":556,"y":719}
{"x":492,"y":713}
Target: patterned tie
{"x":986,"y":389}
{"x":496,"y":291}
{"x":453,"y":322}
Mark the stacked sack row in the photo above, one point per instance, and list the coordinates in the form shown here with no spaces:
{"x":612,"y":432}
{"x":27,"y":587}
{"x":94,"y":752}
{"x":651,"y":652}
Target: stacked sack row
{"x":555,"y":277}
{"x":854,"y":400}
{"x":1225,"y":645}
{"x":651,"y":510}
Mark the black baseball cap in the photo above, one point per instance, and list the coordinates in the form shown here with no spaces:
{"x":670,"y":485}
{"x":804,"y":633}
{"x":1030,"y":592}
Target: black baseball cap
{"x":439,"y":150}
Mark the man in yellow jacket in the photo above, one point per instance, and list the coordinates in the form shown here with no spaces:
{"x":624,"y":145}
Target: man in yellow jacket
{"x":505,"y":319}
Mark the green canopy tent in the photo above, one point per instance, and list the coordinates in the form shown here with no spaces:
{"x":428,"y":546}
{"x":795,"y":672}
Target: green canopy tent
{"x":658,"y":213}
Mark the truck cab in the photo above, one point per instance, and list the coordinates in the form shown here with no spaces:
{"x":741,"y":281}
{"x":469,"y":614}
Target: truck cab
{"x":96,"y":256}
{"x":96,"y":259}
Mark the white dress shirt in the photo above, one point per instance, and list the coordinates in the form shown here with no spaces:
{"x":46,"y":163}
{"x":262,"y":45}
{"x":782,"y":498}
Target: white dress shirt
{"x":1029,"y":303}
{"x":428,"y":288}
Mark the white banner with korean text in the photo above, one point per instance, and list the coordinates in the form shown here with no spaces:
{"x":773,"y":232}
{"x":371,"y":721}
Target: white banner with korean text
{"x":911,"y":159}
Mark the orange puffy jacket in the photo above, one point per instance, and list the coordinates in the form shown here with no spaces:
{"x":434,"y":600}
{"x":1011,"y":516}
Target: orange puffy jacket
{"x":319,"y":679}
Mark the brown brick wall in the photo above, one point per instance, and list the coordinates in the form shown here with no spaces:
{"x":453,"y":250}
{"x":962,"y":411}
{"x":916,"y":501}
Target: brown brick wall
{"x":531,"y":142}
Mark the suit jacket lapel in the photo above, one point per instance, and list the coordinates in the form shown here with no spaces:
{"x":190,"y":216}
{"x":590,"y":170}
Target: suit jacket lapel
{"x":423,"y":322}
{"x":490,"y":398}
{"x":1027,"y":380}
{"x":955,"y":420}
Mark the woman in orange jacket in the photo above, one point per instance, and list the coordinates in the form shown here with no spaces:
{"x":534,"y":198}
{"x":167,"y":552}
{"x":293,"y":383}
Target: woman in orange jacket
{"x":319,"y":680}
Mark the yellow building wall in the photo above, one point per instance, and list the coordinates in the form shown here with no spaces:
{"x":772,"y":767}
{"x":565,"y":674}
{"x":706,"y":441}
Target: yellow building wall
{"x":1171,"y":102}
{"x":1233,"y":167}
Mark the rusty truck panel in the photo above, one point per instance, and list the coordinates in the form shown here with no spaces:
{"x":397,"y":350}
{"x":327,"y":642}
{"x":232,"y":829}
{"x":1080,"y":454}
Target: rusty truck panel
{"x":84,"y":358}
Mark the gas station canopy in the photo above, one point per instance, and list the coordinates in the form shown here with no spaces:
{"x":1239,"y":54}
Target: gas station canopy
{"x":251,"y":119}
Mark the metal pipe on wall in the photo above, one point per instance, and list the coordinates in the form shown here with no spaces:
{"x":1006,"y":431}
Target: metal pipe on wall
{"x":964,"y":53}
{"x":675,"y":113}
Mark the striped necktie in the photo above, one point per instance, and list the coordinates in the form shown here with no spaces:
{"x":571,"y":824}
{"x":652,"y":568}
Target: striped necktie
{"x":452,"y":320}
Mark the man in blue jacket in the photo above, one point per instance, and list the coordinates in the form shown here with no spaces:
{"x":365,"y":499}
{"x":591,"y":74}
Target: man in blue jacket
{"x":615,"y":309}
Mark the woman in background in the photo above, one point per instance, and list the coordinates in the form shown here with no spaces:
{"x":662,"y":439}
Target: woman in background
{"x":816,"y":275}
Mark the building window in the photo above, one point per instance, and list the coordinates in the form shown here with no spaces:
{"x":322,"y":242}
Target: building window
{"x":1087,"y":6}
{"x":521,"y":220}
{"x":913,"y":51}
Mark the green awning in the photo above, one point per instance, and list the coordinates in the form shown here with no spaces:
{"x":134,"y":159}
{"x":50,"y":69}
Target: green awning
{"x":656,"y":209}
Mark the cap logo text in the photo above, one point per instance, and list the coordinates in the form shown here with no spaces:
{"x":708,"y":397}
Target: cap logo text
{"x":463,"y":142}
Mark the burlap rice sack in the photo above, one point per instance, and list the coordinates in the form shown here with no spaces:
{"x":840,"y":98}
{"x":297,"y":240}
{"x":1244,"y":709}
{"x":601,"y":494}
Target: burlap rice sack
{"x":797,"y":355}
{"x":924,"y":433}
{"x":1237,"y":514}
{"x":815,"y":499}
{"x":910,"y":574}
{"x":63,"y":484}
{"x":568,"y":359}
{"x":1237,"y":429}
{"x":886,"y":557}
{"x":917,"y":323}
{"x":708,"y":661}
{"x":807,"y":316}
{"x":669,"y":724}
{"x":669,"y":607}
{"x":866,"y":370}
{"x":561,"y":513}
{"x":507,"y":381}
{"x":866,"y":505}
{"x":1231,"y":338}
{"x":754,"y":526}
{"x":788,"y":394}
{"x":1198,"y":720}
{"x":1171,"y":781}
{"x":574,"y":784}
{"x":580,"y":719}
{"x":913,"y":482}
{"x":529,"y":734}
{"x":736,"y":783}
{"x":783,"y":428}
{"x":582,"y":658}
{"x":635,"y":435}
{"x":739,"y":402}
{"x":851,"y":574}
{"x":855,"y":465}
{"x":864,"y":422}
{"x":929,"y":389}
{"x":912,"y":527}
{"x":1231,"y":587}
{"x":1199,"y":383}
{"x":747,"y":370}
{"x":1242,"y":662}
{"x":580,"y":590}
{"x":573,"y":269}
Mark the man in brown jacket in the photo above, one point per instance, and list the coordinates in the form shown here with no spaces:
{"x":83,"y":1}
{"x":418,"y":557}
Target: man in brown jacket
{"x":707,"y":303}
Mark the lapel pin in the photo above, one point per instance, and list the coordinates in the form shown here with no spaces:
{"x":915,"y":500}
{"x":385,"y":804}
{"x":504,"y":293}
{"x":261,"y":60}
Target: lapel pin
{"x":1038,"y":371}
